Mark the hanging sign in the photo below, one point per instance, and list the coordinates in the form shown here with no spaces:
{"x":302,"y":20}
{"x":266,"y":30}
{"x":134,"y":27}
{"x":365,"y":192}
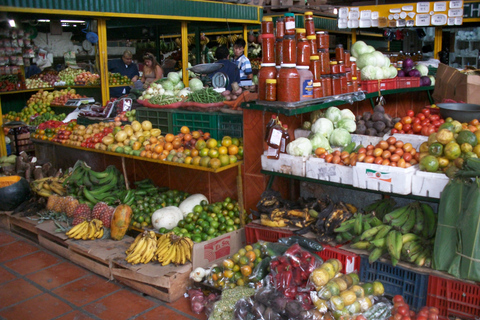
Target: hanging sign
{"x":420,"y":14}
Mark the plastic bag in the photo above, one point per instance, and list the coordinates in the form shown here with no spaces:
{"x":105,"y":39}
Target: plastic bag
{"x":197,"y":300}
{"x":302,"y":241}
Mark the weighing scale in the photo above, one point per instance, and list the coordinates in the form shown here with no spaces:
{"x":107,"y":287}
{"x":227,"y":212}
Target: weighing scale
{"x":78,"y":102}
{"x":218,"y":81}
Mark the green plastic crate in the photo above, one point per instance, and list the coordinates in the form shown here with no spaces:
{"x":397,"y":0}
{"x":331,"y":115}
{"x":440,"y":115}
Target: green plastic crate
{"x":205,"y":121}
{"x":160,"y":118}
{"x":230,"y":125}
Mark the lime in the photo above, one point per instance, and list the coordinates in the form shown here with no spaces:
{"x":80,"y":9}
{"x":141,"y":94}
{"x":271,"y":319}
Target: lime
{"x":230,"y":228}
{"x":435,"y":149}
{"x":429,"y":164}
{"x":204,"y":236}
{"x":196,"y":238}
{"x":466,"y":136}
{"x":214,"y":224}
{"x":198,"y":208}
{"x":211,"y":230}
{"x":452,"y":151}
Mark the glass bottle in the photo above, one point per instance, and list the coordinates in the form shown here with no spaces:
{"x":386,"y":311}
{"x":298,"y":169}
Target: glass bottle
{"x":303,"y":52}
{"x":317,"y":90}
{"x":289,"y":49}
{"x":267,"y":71}
{"x":267,"y":25}
{"x":312,"y":40}
{"x":315,"y":67}
{"x":322,"y":39}
{"x":285,"y":139}
{"x":273,"y":121}
{"x":274,"y":139}
{"x":288,"y":83}
{"x":289,"y":24}
{"x":280,"y":28}
{"x":279,"y":51}
{"x":309,"y":24}
{"x":300,"y":33}
{"x":268,"y":48}
{"x":339,"y":53}
{"x":271,"y":90}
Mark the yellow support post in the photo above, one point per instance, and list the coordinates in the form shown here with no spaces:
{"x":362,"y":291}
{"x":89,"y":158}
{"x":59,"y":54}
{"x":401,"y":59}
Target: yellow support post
{"x":103,"y":59}
{"x":3,"y":146}
{"x":354,"y":36}
{"x":245,"y":37}
{"x":184,"y":33}
{"x":437,"y":45}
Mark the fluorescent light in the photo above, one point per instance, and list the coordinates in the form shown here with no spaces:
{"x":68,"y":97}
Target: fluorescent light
{"x":72,"y":21}
{"x":335,"y":10}
{"x":12,"y":23}
{"x":43,"y":20}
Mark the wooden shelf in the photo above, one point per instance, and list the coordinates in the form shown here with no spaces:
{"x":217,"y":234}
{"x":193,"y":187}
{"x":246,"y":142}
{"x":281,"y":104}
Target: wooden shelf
{"x":167,"y":163}
{"x":25,"y":91}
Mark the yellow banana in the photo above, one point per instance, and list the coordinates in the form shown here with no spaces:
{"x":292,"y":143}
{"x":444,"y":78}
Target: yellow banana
{"x":100,"y":234}
{"x":44,"y":193}
{"x":46,"y":186}
{"x":79,"y":235}
{"x":170,"y":256}
{"x":92,"y":229}
{"x":134,"y":243}
{"x":137,"y":252}
{"x":74,"y":229}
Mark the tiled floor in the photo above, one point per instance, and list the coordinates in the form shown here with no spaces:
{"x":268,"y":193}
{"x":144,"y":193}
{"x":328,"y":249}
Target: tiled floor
{"x":38,"y":284}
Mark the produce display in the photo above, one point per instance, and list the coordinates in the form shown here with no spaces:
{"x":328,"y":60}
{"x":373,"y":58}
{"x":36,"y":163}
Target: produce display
{"x":67,"y":76}
{"x":407,"y":233}
{"x":447,"y":149}
{"x":419,"y":71}
{"x":47,"y":130}
{"x":402,"y":311}
{"x":87,"y":230}
{"x":36,"y":83}
{"x":424,"y":123}
{"x":117,"y":79}
{"x":373,"y":64}
{"x":10,"y":83}
{"x":377,"y":123}
{"x":50,"y":77}
{"x":87,"y":78}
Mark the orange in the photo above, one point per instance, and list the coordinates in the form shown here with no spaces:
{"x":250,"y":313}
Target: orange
{"x":168,"y":146}
{"x":194,"y":153}
{"x":226,"y":141}
{"x":211,"y":143}
{"x":236,"y":141}
{"x":185,"y":130}
{"x":232,"y":150}
{"x":158,"y":148}
{"x":223,"y":150}
{"x":246,"y":271}
{"x":169,"y":137}
{"x":153,"y":140}
{"x":196,"y":134}
{"x":251,"y":256}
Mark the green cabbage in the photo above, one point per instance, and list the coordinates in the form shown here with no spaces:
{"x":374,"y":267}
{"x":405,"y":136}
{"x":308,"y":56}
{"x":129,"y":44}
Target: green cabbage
{"x":387,"y":62}
{"x":393,"y":72}
{"x":299,"y":147}
{"x":347,"y":124}
{"x":323,"y":126}
{"x":368,"y":73}
{"x":366,"y":59}
{"x":432,"y":80}
{"x":423,"y":69}
{"x":179,"y":86}
{"x":319,"y":141}
{"x":173,"y":77}
{"x":358,"y":48}
{"x":347,"y":114}
{"x":379,"y":58}
{"x":340,"y":138}
{"x":369,"y":49}
{"x":378,"y":74}
{"x":167,"y":85}
{"x":333,"y":114}
{"x":196,"y":84}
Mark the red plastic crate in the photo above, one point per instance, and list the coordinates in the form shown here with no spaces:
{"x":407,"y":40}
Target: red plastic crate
{"x":388,"y":84}
{"x":370,"y":85}
{"x":255,"y":233}
{"x":407,"y":82}
{"x":349,"y":260}
{"x":453,"y":298}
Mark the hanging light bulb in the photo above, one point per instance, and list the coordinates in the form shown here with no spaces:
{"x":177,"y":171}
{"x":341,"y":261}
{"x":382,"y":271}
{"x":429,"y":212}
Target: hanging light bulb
{"x":11,"y":22}
{"x":335,"y":10}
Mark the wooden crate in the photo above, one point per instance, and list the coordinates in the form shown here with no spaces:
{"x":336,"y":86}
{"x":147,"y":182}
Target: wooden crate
{"x":24,"y":227}
{"x":167,"y":283}
{"x":51,"y":240}
{"x":4,"y":220}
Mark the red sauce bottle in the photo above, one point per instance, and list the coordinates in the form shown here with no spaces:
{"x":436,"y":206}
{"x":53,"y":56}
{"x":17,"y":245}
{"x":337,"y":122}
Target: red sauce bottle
{"x":268,"y":48}
{"x":327,"y":85}
{"x":285,"y":139}
{"x":288,"y":83}
{"x":273,"y":121}
{"x":303,"y":52}
{"x":289,"y":24}
{"x":280,"y":28}
{"x":324,"y":61}
{"x":312,"y":40}
{"x":317,"y":90}
{"x":267,"y":71}
{"x":300,"y":33}
{"x":309,"y":23}
{"x":278,"y":51}
{"x":339,"y":53}
{"x":289,"y":49}
{"x":271,"y":90}
{"x":315,"y":67}
{"x":267,"y":25}
{"x":322,"y":39}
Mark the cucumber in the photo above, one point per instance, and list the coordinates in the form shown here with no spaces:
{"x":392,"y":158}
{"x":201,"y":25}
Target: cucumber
{"x":358,"y":148}
{"x":350,"y":147}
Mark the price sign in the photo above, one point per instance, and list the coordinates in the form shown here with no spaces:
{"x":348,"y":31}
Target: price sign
{"x":440,"y":6}
{"x":422,"y":20}
{"x":451,"y":21}
{"x":365,"y":15}
{"x":423,"y":7}
{"x":343,"y":13}
{"x":353,"y":15}
{"x":374,"y":15}
{"x":456,"y":4}
{"x":439,"y":19}
{"x":455,"y":13}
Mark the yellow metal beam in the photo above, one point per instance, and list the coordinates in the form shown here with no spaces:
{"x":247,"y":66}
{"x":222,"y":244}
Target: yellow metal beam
{"x":184,"y":33}
{"x":103,"y":59}
{"x":245,"y":37}
{"x":3,"y":146}
{"x":437,"y":45}
{"x":354,"y":36}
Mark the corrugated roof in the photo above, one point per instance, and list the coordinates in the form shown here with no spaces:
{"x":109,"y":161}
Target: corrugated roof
{"x":155,"y":9}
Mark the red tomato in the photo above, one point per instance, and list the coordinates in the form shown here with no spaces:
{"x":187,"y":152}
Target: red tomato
{"x":424,"y":131}
{"x":403,"y":311}
{"x":406,"y":120}
{"x":431,"y":129}
{"x":416,"y":120}
{"x":442,"y":121}
{"x":394,"y":131}
{"x":398,"y":126}
{"x":426,"y":112}
{"x":84,"y":144}
{"x":412,"y":313}
{"x":433,"y":310}
{"x":410,"y":113}
{"x":425,"y":122}
{"x":407,"y":127}
{"x":397,"y":316}
{"x":417,"y":127}
{"x":434,"y":117}
{"x":423,"y":313}
{"x":406,"y":318}
{"x":421,"y":116}
{"x":360,"y":317}
{"x":410,"y":131}
{"x":421,"y":318}
{"x":402,"y":131}
{"x":437,"y":123}
{"x":432,"y":316}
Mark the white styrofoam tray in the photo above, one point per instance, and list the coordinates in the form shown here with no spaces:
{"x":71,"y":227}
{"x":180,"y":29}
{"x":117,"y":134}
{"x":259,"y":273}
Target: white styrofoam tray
{"x":383,"y":178}
{"x":428,"y":184}
{"x":365,"y":140}
{"x":318,"y":169}
{"x":287,"y":164}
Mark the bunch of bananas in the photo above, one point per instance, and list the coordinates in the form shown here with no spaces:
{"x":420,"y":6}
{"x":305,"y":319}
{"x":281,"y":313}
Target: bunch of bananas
{"x":92,"y":187}
{"x":222,"y":40}
{"x":143,"y":248}
{"x":381,"y":207}
{"x":204,"y":39}
{"x":407,"y":234}
{"x":45,"y":187}
{"x":87,"y":230}
{"x":173,"y":249}
{"x":233,"y":37}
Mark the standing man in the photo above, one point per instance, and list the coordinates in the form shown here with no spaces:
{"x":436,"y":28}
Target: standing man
{"x":242,"y":62}
{"x":229,"y":68}
{"x":125,"y":67}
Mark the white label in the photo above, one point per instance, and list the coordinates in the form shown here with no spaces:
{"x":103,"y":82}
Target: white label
{"x":353,"y":15}
{"x":423,"y":7}
{"x":343,"y":13}
{"x":365,"y":23}
{"x":396,"y":16}
{"x":407,"y":8}
{"x":456,"y":4}
{"x":455,"y":13}
{"x":276,"y":137}
{"x":365,"y":14}
{"x":374,"y":15}
{"x":272,"y":152}
{"x":353,"y":23}
{"x":289,"y":25}
{"x":395,"y":10}
{"x":401,"y":23}
{"x":440,"y":6}
{"x":410,"y":23}
{"x":451,"y":21}
{"x":458,"y":21}
{"x":342,"y":23}
{"x":422,"y":20}
{"x":439,"y":19}
{"x":350,"y":264}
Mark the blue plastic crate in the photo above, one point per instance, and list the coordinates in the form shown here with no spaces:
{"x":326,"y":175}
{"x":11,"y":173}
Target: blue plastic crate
{"x":230,"y":125}
{"x":411,"y":285}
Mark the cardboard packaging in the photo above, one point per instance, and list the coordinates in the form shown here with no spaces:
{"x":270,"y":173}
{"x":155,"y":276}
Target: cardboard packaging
{"x":452,"y":84}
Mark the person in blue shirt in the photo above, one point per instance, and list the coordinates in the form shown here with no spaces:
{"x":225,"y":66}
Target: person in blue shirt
{"x":241,"y":61}
{"x":125,"y":67}
{"x":229,"y":68}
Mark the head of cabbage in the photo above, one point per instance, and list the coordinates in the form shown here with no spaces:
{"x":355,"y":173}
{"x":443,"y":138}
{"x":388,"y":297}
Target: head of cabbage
{"x":340,"y":138}
{"x":333,"y":114}
{"x":347,"y":124}
{"x":347,"y":114}
{"x":299,"y":147}
{"x":319,"y":141}
{"x":323,"y":126}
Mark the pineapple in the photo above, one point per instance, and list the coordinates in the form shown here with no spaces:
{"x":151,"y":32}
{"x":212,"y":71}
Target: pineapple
{"x":52,"y":201}
{"x":103,"y":212}
{"x":58,"y":206}
{"x":81,"y":213}
{"x":70,"y":204}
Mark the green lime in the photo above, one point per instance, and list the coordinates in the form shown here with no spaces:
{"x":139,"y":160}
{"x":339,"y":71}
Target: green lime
{"x":204,"y":236}
{"x":198,"y":208}
{"x":230,"y":229}
{"x":196,"y":238}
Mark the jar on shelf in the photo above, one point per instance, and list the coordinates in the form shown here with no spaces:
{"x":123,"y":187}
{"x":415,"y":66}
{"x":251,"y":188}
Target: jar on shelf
{"x":334,"y":67}
{"x":300,"y":33}
{"x":317,"y":90}
{"x":280,"y":28}
{"x":324,"y":61}
{"x":268,"y":48}
{"x":315,"y":67}
{"x":348,"y":63}
{"x":339,"y":53}
{"x":336,"y":85}
{"x":271,"y":90}
{"x":289,"y":24}
{"x":267,"y":25}
{"x":288,"y":83}
{"x":353,"y":67}
{"x":289,"y":49}
{"x":306,"y":83}
{"x":303,"y":52}
{"x":267,"y":71}
{"x":309,"y":23}
{"x":322,"y":39}
{"x":348,"y":74}
{"x":327,"y":85}
{"x":341,"y":67}
{"x":312,"y":40}
{"x":343,"y":82}
{"x":350,"y":87}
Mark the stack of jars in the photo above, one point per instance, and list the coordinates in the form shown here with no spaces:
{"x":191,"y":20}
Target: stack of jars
{"x":267,"y":67}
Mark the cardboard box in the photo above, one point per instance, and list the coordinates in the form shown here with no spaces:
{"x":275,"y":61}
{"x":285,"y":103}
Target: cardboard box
{"x":452,"y":84}
{"x":215,"y":250}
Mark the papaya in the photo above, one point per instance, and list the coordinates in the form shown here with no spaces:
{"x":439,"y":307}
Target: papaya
{"x":120,"y":221}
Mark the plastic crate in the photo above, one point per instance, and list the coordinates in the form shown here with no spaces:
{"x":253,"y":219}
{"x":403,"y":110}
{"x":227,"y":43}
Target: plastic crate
{"x":388,"y":84}
{"x":230,"y":125}
{"x":160,"y":119}
{"x":397,"y":280}
{"x":454,"y":298}
{"x":350,"y":261}
{"x":370,"y":85}
{"x":407,"y":82}
{"x":428,"y":184}
{"x":205,"y":121}
{"x":288,"y":164}
{"x":255,"y":233}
